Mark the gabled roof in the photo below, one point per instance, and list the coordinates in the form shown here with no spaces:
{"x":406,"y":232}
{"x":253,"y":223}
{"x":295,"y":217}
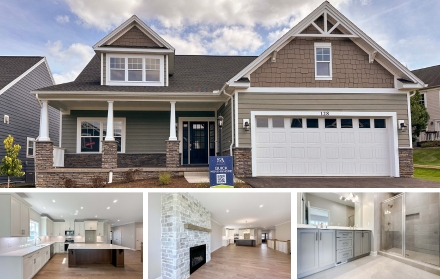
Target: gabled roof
{"x":376,"y":52}
{"x":14,"y":68}
{"x":126,"y":26}
{"x":430,"y":75}
{"x":193,"y":73}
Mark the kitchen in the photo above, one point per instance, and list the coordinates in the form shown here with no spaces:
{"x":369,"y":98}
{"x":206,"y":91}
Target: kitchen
{"x":58,"y":234}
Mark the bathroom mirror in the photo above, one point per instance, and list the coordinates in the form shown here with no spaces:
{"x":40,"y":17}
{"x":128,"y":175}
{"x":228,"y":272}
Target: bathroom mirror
{"x":330,"y":209}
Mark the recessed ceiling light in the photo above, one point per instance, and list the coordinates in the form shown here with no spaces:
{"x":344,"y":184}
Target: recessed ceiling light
{"x":227,"y":210}
{"x":108,"y":207}
{"x":261,"y":205}
{"x":44,"y":207}
{"x":115,"y":201}
{"x":53,"y":200}
{"x":61,"y":215}
{"x":81,"y":207}
{"x":118,"y":220}
{"x":96,"y":215}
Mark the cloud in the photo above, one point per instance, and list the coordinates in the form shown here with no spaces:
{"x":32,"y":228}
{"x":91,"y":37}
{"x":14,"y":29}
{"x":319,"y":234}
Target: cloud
{"x":70,"y":61}
{"x":62,"y":19}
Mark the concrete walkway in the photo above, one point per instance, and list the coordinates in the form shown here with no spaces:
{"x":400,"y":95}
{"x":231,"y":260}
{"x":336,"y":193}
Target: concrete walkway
{"x":339,"y":182}
{"x":201,"y":177}
{"x":427,"y":166}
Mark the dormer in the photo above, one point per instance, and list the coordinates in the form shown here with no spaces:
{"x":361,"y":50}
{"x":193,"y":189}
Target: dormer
{"x":134,"y":55}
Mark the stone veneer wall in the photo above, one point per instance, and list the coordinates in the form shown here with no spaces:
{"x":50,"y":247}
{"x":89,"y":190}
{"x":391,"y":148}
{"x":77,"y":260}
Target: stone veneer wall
{"x":109,"y":154}
{"x":82,"y":160}
{"x":177,"y":210}
{"x":43,"y":155}
{"x":141,"y":160}
{"x":242,"y":161}
{"x":406,"y":166}
{"x":173,"y":155}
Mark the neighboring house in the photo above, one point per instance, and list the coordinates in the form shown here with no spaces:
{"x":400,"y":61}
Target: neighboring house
{"x":20,"y":110}
{"x":323,"y":100}
{"x":431,"y":100}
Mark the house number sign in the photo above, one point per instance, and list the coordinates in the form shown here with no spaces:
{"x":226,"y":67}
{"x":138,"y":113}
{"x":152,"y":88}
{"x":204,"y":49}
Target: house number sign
{"x":325,"y":113}
{"x":221,"y":172}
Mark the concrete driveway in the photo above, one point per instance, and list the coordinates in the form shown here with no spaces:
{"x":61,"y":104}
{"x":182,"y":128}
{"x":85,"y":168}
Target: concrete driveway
{"x":339,"y":182}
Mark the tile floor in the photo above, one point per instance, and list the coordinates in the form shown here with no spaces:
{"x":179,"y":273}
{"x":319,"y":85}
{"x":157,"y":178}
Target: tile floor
{"x":422,"y":257}
{"x":377,"y":267}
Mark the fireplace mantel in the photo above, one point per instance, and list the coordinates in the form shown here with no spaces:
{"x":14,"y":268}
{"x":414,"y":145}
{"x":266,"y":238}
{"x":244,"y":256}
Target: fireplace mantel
{"x":196,"y":228}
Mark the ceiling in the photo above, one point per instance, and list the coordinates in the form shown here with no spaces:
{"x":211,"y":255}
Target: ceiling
{"x":127,"y":209}
{"x":246,"y":207}
{"x":335,"y":197}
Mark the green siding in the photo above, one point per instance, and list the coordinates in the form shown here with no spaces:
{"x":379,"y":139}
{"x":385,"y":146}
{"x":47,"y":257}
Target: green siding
{"x":225,"y":111}
{"x":146,"y":131}
{"x":248,"y":102}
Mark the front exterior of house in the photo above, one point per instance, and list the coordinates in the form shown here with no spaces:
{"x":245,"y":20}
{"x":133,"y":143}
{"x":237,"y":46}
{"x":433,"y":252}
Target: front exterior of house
{"x":323,"y":100}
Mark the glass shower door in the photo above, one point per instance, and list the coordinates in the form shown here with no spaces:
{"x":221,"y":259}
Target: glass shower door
{"x":392,"y":227}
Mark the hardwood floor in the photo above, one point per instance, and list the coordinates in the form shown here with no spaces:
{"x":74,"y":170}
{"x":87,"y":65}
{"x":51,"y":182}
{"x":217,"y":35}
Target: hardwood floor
{"x":245,"y":262}
{"x":57,"y":268}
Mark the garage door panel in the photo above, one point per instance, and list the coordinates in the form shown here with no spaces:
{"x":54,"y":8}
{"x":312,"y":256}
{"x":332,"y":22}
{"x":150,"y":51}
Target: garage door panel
{"x":351,"y":150}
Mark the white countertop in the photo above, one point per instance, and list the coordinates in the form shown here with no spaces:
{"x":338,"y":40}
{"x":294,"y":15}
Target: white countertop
{"x":96,"y":246}
{"x":304,"y":226}
{"x":26,"y":251}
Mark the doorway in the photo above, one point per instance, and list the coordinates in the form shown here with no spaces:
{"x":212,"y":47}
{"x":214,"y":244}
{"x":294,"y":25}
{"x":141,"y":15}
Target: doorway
{"x":139,"y":238}
{"x":263,"y":237}
{"x":117,"y":237}
{"x":198,"y":138}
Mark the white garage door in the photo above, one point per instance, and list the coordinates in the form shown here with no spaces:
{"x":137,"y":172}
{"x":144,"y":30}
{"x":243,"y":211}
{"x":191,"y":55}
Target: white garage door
{"x":344,"y":146}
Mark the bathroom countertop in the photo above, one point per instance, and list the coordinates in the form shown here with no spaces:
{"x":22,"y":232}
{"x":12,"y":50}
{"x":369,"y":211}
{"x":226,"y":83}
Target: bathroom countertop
{"x":27,"y":250}
{"x":304,"y":226}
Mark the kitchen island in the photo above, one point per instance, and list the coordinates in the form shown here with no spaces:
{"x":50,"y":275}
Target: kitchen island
{"x":96,"y":253}
{"x":245,"y":242}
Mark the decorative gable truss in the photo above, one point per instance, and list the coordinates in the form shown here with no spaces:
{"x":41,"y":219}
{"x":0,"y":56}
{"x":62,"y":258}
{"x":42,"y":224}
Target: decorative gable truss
{"x":327,"y":22}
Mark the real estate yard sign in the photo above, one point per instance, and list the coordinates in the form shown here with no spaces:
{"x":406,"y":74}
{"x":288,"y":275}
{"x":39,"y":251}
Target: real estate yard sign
{"x":221,"y":172}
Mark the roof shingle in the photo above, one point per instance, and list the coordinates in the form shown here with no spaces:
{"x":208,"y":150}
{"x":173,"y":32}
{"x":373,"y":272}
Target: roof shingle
{"x":429,"y":75}
{"x":192,"y":73}
{"x":11,"y":67}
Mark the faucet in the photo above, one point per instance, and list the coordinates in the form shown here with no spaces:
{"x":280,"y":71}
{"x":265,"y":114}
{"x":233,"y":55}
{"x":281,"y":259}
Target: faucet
{"x":36,"y":240}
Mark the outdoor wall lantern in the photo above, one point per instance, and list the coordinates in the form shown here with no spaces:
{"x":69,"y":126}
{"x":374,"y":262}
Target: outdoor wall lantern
{"x":220,"y":126}
{"x":6,"y":119}
{"x":402,"y":125}
{"x":220,"y":121}
{"x":246,"y":124}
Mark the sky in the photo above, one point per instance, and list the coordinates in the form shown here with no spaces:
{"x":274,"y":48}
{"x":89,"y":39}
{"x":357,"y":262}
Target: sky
{"x":64,"y":31}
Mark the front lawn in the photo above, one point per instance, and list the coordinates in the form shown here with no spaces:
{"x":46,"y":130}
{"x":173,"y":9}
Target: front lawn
{"x":427,"y":174}
{"x":427,"y":156}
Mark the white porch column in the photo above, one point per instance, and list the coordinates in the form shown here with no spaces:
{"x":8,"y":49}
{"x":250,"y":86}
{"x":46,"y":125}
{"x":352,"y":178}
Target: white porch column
{"x":44,"y":122}
{"x":173,"y":122}
{"x":110,"y":131}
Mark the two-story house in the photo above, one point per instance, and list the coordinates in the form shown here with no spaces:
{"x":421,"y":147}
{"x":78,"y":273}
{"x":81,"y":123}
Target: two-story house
{"x":323,"y":100}
{"x":20,"y":111}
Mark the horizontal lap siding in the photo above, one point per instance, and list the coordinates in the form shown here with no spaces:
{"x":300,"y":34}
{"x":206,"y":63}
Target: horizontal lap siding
{"x":248,"y":102}
{"x":225,"y":111}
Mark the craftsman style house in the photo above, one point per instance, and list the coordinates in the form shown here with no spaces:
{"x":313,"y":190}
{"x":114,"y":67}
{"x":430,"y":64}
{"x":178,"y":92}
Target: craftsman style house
{"x":20,"y":111}
{"x":323,"y":100}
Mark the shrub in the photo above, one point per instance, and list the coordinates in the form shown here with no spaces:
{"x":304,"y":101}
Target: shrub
{"x":129,"y":176}
{"x":68,"y":182}
{"x":98,"y":181}
{"x":434,"y":143}
{"x":164,"y":178}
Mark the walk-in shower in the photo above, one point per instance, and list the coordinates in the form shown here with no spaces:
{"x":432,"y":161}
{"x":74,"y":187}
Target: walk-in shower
{"x":410,"y":227}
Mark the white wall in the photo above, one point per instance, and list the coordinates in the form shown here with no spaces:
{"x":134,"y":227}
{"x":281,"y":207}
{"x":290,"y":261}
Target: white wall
{"x":154,"y":235}
{"x":283,"y":231}
{"x":368,"y":215}
{"x":272,"y":234}
{"x":216,"y":236}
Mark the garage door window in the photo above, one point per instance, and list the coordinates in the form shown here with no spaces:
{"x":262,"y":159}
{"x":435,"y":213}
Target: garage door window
{"x":312,"y":123}
{"x":346,"y":123}
{"x":296,"y":123}
{"x":262,"y":122}
{"x":364,"y":123}
{"x":278,"y":122}
{"x":331,"y":123}
{"x":379,"y":123}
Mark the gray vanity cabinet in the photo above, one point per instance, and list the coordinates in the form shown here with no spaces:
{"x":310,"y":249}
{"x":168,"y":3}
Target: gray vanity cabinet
{"x":316,"y":250}
{"x":362,"y":243}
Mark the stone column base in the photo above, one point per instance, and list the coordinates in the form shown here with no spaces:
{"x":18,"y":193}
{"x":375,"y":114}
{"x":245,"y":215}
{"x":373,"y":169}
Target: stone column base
{"x":173,"y":156}
{"x":242,"y":161}
{"x":43,"y":155}
{"x":406,"y":167}
{"x":109,"y":154}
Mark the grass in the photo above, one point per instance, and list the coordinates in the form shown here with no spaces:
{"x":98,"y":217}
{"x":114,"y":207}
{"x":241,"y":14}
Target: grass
{"x":427,"y":156}
{"x":427,"y":174}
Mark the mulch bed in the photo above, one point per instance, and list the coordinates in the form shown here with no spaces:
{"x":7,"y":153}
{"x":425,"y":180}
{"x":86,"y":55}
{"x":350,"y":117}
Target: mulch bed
{"x":176,"y":182}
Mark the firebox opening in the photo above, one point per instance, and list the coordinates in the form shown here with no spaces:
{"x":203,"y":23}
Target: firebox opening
{"x":197,"y":257}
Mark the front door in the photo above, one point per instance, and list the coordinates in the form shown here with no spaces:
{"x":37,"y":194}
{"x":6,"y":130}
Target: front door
{"x":198,"y":142}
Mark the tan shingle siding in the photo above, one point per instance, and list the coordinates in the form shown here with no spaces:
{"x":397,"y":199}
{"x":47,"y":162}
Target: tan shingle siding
{"x":134,"y":38}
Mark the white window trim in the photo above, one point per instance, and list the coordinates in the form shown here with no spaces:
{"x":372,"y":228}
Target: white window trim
{"x":27,"y":147}
{"x":102,"y":120}
{"x":325,"y":45}
{"x":425,"y":101}
{"x":135,"y":83}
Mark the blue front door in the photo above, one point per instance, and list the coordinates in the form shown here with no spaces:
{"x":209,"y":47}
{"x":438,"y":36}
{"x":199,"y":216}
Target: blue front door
{"x":199,"y":142}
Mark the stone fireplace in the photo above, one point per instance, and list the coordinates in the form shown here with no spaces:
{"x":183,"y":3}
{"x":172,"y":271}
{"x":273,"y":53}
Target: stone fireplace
{"x":197,"y":257}
{"x":185,"y":224}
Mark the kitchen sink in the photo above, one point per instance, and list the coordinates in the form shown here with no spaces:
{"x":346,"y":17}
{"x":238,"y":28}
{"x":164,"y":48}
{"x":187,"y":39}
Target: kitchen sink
{"x":41,"y":245}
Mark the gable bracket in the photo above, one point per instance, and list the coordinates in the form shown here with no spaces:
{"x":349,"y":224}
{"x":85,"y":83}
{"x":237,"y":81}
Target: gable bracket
{"x":372,"y":55}
{"x":318,"y":28}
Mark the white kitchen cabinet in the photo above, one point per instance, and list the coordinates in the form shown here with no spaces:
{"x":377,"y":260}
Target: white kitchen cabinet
{"x":46,"y":226}
{"x":38,"y":261}
{"x":79,"y":229}
{"x":58,"y":229}
{"x":90,"y":225}
{"x":28,"y":266}
{"x":100,"y":230}
{"x":69,"y":225}
{"x":60,"y":247}
{"x":56,"y":248}
{"x":14,"y":217}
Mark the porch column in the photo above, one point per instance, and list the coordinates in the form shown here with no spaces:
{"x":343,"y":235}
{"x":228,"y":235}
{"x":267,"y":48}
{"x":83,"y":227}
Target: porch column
{"x":173,"y":122}
{"x":44,"y":122}
{"x":110,"y":133}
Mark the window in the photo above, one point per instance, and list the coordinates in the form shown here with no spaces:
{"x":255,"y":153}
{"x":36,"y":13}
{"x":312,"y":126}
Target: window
{"x":379,"y":123}
{"x":364,"y":123}
{"x":30,"y":148}
{"x":296,"y":123}
{"x":331,"y":123}
{"x":346,"y":123}
{"x":92,"y":131}
{"x":33,"y":229}
{"x":422,"y":100}
{"x":312,"y":123}
{"x":278,"y":122}
{"x":323,"y":61}
{"x":130,"y":69}
{"x":262,"y":122}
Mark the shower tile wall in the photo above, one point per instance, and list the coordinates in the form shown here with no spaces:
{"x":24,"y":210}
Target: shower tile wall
{"x":422,"y":223}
